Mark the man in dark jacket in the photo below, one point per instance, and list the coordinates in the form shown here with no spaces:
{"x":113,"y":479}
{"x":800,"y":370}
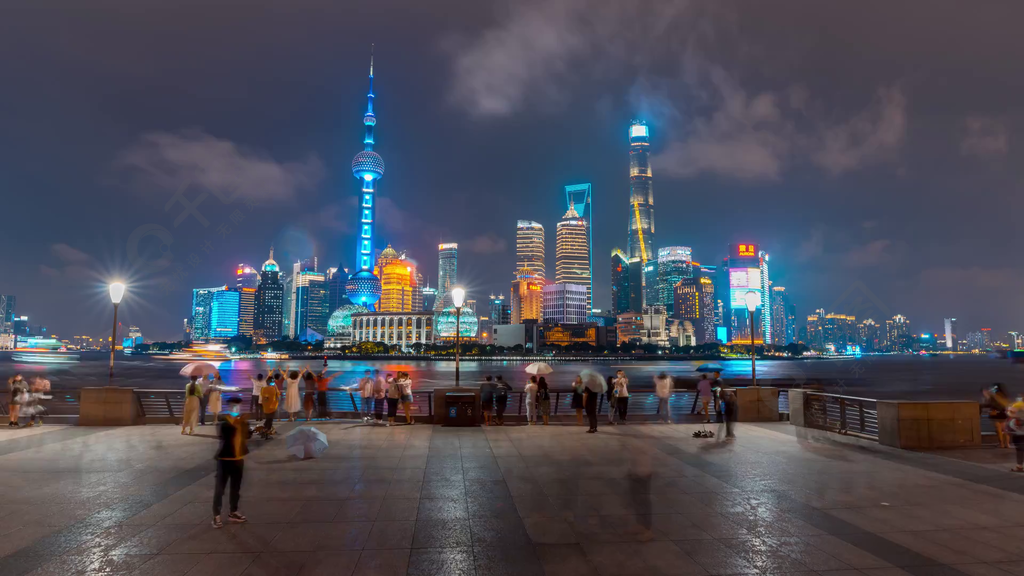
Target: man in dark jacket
{"x":501,"y":390}
{"x":234,"y":436}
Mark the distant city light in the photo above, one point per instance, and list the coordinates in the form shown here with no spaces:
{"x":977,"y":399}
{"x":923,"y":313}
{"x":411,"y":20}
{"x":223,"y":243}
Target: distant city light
{"x":638,"y":131}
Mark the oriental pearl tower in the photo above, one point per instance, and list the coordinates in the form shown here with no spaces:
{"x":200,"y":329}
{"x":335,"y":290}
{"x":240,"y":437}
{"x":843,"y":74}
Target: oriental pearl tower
{"x":364,"y":287}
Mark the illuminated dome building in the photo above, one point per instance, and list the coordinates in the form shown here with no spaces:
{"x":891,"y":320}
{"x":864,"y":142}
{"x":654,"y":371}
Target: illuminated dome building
{"x":444,"y":324}
{"x":398,"y":281}
{"x":341,"y":320}
{"x":364,"y":288}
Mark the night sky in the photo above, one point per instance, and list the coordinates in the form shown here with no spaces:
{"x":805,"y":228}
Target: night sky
{"x":867,"y":146}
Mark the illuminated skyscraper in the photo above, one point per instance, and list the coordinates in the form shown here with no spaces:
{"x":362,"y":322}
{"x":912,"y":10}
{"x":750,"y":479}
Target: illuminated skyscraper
{"x":527,"y":296}
{"x":500,"y":311}
{"x":310,"y":301}
{"x":641,"y":208}
{"x":224,"y":313}
{"x":269,"y":314}
{"x":398,"y":282}
{"x":337,"y":278}
{"x":363,"y":287}
{"x":674,"y":264}
{"x":766,"y":297}
{"x":429,"y":298}
{"x":950,"y":325}
{"x":694,"y":301}
{"x":565,"y":304}
{"x":447,"y":274}
{"x":620,"y":282}
{"x":530,"y":246}
{"x":579,"y":196}
{"x":636,"y":285}
{"x":417,"y":295}
{"x":744,"y":270}
{"x":780,"y":319}
{"x":7,"y":313}
{"x":572,"y":252}
{"x":246,"y":281}
{"x":202,"y":298}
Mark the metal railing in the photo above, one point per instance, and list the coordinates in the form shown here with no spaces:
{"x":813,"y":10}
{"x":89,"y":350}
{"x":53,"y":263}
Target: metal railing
{"x":63,"y":406}
{"x":841,"y":414}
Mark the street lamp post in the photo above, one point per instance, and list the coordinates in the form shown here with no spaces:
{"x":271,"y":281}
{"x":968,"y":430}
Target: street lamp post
{"x":752,"y":299}
{"x":116,"y":293}
{"x":458,"y":297}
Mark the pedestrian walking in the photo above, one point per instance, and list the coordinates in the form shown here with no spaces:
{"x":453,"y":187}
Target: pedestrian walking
{"x":487,"y":399}
{"x":405,"y":382}
{"x":704,"y":396}
{"x":255,"y":406}
{"x":394,"y":396}
{"x":612,"y":400}
{"x":190,"y":415}
{"x":380,"y":394}
{"x":203,"y":400}
{"x":270,"y":396}
{"x":621,"y":395}
{"x":543,"y":400}
{"x":292,"y":400}
{"x":593,"y":387}
{"x":530,"y":391}
{"x":501,"y":390}
{"x":19,"y":391}
{"x":663,"y":390}
{"x":577,"y":403}
{"x":995,"y":401}
{"x":234,"y":437}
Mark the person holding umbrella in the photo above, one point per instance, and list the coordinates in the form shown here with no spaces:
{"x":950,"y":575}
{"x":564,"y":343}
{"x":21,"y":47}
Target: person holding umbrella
{"x":593,"y":386}
{"x":193,"y":393}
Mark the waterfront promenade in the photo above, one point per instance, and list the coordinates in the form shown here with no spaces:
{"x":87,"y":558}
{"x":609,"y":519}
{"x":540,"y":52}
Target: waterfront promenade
{"x":427,"y":500}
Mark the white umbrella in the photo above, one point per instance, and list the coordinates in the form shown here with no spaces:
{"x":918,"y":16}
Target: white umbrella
{"x":306,"y":442}
{"x":197,"y":369}
{"x":593,"y":381}
{"x":539,"y":368}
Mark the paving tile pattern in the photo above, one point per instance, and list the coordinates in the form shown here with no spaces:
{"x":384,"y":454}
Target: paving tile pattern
{"x":424,"y":500}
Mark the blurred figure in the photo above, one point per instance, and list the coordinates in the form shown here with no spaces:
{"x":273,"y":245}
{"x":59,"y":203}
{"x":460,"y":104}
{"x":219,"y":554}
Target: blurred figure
{"x":406,"y":384}
{"x":213,"y":392}
{"x":577,"y":399}
{"x":292,"y":401}
{"x":487,"y":399}
{"x":190,"y":415}
{"x":663,"y":389}
{"x":309,"y":393}
{"x":704,"y":396}
{"x":543,"y":400}
{"x":234,"y":437}
{"x":501,"y":390}
{"x":270,"y":396}
{"x":365,"y":390}
{"x":380,"y":394}
{"x":612,"y":400}
{"x":621,"y":395}
{"x":729,"y":413}
{"x":323,"y":411}
{"x":255,"y":407}
{"x":33,"y":407}
{"x":18,"y":388}
{"x":593,"y":387}
{"x":995,"y":401}
{"x":394,"y":395}
{"x":530,"y":390}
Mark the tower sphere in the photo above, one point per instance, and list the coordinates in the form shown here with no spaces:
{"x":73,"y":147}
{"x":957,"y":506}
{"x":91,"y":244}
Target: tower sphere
{"x":368,"y":165}
{"x":363,"y":288}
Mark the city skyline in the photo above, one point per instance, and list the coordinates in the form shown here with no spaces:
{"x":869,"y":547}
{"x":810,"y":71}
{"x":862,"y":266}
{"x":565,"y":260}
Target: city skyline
{"x":841,"y":170}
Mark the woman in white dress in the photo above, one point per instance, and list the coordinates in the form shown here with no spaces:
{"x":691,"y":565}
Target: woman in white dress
{"x":292,"y":399}
{"x":190,"y":416}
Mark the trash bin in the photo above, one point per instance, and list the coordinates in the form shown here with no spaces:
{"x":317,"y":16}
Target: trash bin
{"x":459,"y":409}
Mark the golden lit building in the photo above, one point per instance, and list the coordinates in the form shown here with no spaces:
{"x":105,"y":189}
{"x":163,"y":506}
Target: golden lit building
{"x":572,"y":252}
{"x":530,"y":246}
{"x":527,"y":296}
{"x":398,"y":282}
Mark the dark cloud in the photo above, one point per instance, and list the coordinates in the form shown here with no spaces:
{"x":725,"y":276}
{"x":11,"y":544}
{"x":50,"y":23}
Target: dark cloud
{"x":985,"y":137}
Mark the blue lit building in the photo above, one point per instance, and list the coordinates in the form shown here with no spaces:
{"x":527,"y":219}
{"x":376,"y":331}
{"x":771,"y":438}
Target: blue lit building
{"x":363,"y":287}
{"x":224,"y":313}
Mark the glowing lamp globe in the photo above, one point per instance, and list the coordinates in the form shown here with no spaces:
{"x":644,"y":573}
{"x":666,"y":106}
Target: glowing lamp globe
{"x":458,"y":297}
{"x":752,"y":299}
{"x":363,"y":288}
{"x":368,"y":165}
{"x":116,"y":292}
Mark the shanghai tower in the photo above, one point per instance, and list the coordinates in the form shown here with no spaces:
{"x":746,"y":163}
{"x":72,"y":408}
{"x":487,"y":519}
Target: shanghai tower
{"x":641,"y":195}
{"x":363,"y":287}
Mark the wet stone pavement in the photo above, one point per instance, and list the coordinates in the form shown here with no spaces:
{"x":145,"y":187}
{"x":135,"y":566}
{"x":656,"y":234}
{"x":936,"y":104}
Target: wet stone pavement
{"x":426,"y":500}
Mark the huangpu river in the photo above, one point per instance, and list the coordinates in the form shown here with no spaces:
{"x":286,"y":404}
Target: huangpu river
{"x":885,"y":377}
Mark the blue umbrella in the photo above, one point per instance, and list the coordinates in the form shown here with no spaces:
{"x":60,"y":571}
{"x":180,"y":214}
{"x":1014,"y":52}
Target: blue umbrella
{"x":711,"y":367}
